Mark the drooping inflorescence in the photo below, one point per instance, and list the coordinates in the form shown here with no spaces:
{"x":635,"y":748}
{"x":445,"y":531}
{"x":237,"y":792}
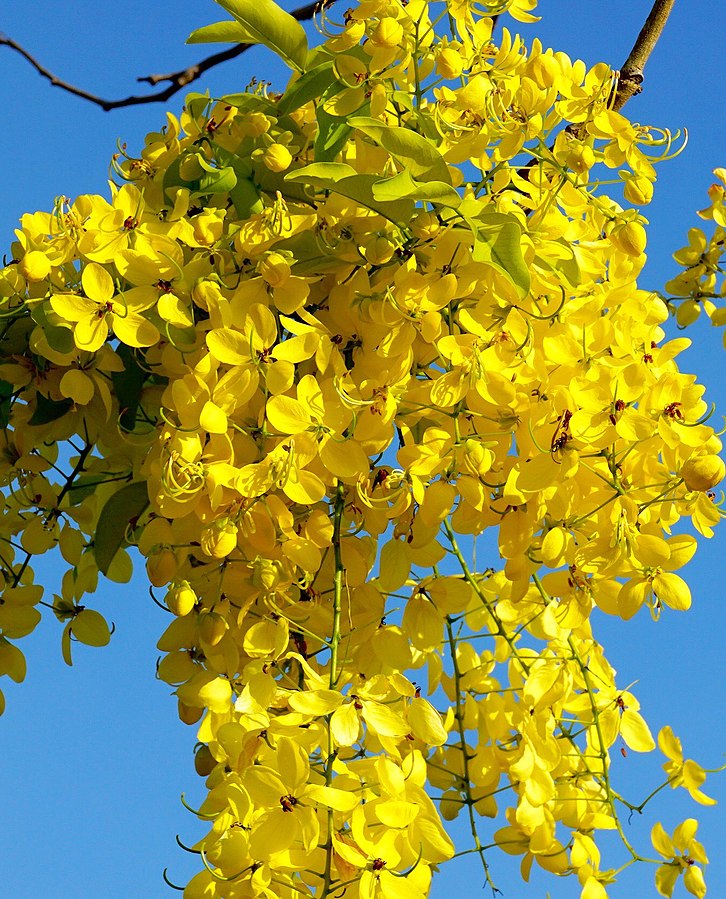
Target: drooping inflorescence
{"x":702,"y":283}
{"x":315,"y":349}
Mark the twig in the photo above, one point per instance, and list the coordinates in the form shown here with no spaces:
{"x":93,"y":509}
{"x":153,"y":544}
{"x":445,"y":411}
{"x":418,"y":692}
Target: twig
{"x":631,"y":78}
{"x":177,"y":80}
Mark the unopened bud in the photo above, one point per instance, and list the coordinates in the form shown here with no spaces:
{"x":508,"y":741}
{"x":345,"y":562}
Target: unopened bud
{"x":703,"y":472}
{"x":277,"y":158}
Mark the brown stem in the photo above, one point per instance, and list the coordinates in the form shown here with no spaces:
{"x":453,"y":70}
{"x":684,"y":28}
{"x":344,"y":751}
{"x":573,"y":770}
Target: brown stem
{"x":177,"y":80}
{"x":631,"y":74}
{"x":630,"y":78}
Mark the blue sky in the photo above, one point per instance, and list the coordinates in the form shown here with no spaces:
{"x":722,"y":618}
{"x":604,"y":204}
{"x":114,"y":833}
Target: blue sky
{"x":94,"y":758}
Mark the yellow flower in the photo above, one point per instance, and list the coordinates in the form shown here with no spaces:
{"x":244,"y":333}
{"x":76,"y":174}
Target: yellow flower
{"x":99,"y":310}
{"x":288,"y":801}
{"x":683,"y":852}
{"x":682,"y":773}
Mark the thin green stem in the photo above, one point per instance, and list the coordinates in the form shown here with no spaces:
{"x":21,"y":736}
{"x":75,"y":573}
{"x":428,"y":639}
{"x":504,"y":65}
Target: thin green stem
{"x":335,"y":636}
{"x":465,"y":780}
{"x":602,"y":749}
{"x":471,"y":580}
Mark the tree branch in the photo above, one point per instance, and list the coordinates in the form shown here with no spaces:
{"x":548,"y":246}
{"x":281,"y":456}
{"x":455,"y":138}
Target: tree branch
{"x":629,"y":83}
{"x":631,"y":74}
{"x":177,"y":80}
{"x":630,"y":77}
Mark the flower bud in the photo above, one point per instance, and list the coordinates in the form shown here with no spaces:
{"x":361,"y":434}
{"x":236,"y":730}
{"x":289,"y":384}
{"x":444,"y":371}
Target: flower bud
{"x":388,"y":33}
{"x":703,"y":472}
{"x":35,"y":266}
{"x":190,"y":168}
{"x":161,"y":567}
{"x":274,"y":269}
{"x":189,"y":714}
{"x":277,"y":158}
{"x":266,"y":574}
{"x":212,"y":627}
{"x":425,"y":225}
{"x":204,"y":761}
{"x":254,"y":124}
{"x":449,"y":63}
{"x":379,"y":250}
{"x":638,"y":190}
{"x":208,"y":226}
{"x":219,"y":539}
{"x":181,"y":599}
{"x":578,"y":157}
{"x":630,"y":238}
{"x":687,"y":313}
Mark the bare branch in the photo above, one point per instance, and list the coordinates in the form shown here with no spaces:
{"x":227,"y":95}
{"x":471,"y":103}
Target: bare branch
{"x":177,"y":80}
{"x":630,"y":77}
{"x":629,"y":83}
{"x":631,"y":74}
{"x":185,"y":76}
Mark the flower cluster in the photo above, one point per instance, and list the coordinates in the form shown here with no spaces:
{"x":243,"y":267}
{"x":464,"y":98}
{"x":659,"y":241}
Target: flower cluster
{"x":702,"y":283}
{"x":314,"y":348}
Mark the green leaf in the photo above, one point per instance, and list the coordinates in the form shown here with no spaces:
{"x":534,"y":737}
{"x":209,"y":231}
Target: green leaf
{"x":58,"y":334}
{"x":310,"y":86}
{"x":561,"y":260}
{"x":322,"y":173}
{"x":47,"y":410}
{"x":15,"y":336}
{"x":247,"y":102}
{"x":60,"y":339}
{"x":245,"y":195}
{"x":309,"y":254}
{"x":127,"y":385}
{"x":266,"y":23}
{"x":227,"y":32}
{"x":122,"y":508}
{"x":215,"y":180}
{"x":246,"y":198}
{"x":358,"y":188}
{"x":333,"y":132}
{"x":172,"y":179}
{"x":403,"y":100}
{"x":196,"y":104}
{"x":183,"y":338}
{"x":497,"y":242}
{"x":6,"y":393}
{"x":220,"y":181}
{"x":121,"y":569}
{"x":240,"y":160}
{"x":403,"y":185}
{"x":83,"y":486}
{"x":414,"y":151}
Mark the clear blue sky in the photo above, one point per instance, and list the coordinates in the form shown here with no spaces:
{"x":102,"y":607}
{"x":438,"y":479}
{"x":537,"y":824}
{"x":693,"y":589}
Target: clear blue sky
{"x":94,"y":757}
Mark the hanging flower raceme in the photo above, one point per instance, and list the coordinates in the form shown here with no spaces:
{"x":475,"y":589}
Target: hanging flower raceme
{"x":300,"y":362}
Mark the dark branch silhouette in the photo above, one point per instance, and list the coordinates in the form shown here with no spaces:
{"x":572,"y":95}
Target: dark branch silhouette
{"x":177,"y":80}
{"x":629,"y":84}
